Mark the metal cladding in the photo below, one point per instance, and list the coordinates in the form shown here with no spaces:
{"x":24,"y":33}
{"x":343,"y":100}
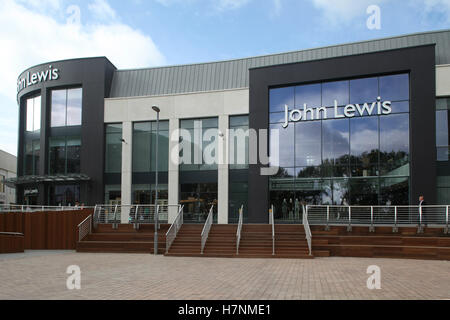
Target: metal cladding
{"x":233,"y":74}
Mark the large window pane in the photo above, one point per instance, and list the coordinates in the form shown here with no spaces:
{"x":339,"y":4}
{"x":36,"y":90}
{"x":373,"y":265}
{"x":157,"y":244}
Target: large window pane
{"x":308,"y":144}
{"x":310,"y":94}
{"x":395,"y":87}
{"x":363,"y":90}
{"x":336,"y":144}
{"x":33,"y":114}
{"x":394,"y":144}
{"x":28,"y":158}
{"x":141,"y":147}
{"x":74,"y":104}
{"x":283,"y":147}
{"x":30,"y":119}
{"x":281,"y":97}
{"x":364,"y":146}
{"x":364,"y":191}
{"x":73,"y":155}
{"x":37,"y":113}
{"x":57,"y":148}
{"x":144,"y":146}
{"x":163,"y":151}
{"x":338,"y":90}
{"x":200,"y":139}
{"x":442,"y":128}
{"x":58,"y":114}
{"x":36,"y":156}
{"x":394,"y":191}
{"x":113,"y":157}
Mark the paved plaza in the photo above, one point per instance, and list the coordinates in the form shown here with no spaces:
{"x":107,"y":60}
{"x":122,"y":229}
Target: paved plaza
{"x":42,"y":275}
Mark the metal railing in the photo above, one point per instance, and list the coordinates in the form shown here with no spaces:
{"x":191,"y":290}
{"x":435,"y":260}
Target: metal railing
{"x":307,"y":229}
{"x":9,"y":208}
{"x":272,"y":222}
{"x":207,"y":228}
{"x":239,"y":229}
{"x":174,"y":228}
{"x":85,"y":228}
{"x":372,"y":216}
{"x":137,"y":214}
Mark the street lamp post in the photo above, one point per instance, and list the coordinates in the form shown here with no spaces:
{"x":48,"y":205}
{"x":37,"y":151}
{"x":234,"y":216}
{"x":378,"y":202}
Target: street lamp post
{"x":157,"y":110}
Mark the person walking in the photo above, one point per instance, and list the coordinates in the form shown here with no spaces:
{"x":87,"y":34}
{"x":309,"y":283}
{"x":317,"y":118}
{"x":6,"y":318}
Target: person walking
{"x":422,"y":204}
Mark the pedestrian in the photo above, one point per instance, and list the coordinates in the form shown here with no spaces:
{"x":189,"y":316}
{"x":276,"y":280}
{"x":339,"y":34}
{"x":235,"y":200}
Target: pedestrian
{"x":422,"y":205}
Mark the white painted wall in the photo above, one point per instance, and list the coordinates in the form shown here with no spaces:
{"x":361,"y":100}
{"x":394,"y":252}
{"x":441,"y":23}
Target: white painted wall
{"x":219,"y":104}
{"x":443,"y":80}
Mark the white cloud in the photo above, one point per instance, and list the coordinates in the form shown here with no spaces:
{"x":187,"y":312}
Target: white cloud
{"x":231,"y":4}
{"x":30,"y":36}
{"x":440,"y":6}
{"x":343,"y":11}
{"x":102,"y":10}
{"x":220,"y":5}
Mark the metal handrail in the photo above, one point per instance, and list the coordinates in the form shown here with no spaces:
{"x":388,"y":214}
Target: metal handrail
{"x":307,"y":230}
{"x":9,"y":208}
{"x":373,"y":216}
{"x":137,"y":213}
{"x":207,"y":228}
{"x":85,"y":228}
{"x":174,"y":228}
{"x":239,"y":229}
{"x":272,"y":222}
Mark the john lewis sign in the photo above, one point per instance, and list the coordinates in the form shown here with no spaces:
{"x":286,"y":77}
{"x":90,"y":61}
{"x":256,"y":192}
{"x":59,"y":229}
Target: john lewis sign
{"x":34,"y":78}
{"x":351,"y":110}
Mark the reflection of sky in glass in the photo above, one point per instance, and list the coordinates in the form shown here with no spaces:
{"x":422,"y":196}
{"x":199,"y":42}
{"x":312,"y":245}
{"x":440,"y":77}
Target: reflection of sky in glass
{"x":37,"y":113}
{"x":332,"y":91}
{"x":310,"y":94}
{"x":74,"y":103}
{"x":394,"y":133}
{"x":285,"y":145}
{"x":363,"y":90}
{"x":335,"y":139}
{"x":58,"y":117}
{"x":395,"y":88}
{"x":364,"y":135}
{"x":308,"y":143}
{"x":398,"y":107}
{"x":30,"y":115}
{"x":442,"y":128}
{"x":281,"y":97}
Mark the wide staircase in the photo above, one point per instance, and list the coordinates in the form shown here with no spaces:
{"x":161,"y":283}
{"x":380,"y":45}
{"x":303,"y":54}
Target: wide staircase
{"x":256,"y":242}
{"x":432,"y":244}
{"x":124,"y":239}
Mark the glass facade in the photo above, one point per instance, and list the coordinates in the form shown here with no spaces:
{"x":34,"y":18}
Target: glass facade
{"x":346,"y":148}
{"x":66,"y":107}
{"x":64,"y":195}
{"x":198,"y":168}
{"x":238,"y":168}
{"x":144,"y":146}
{"x":64,"y":155}
{"x":33,"y":114}
{"x":113,"y":148}
{"x":32,"y":157}
{"x":442,"y":147}
{"x":113,"y":194}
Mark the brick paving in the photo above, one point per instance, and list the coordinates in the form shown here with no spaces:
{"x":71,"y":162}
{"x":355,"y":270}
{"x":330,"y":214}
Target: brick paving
{"x":42,"y":275}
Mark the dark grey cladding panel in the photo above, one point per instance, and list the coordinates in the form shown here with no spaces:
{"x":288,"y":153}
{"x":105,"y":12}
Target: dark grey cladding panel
{"x":234,"y":74}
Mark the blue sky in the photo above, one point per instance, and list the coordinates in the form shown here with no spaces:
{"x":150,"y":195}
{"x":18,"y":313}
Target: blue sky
{"x":144,"y":33}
